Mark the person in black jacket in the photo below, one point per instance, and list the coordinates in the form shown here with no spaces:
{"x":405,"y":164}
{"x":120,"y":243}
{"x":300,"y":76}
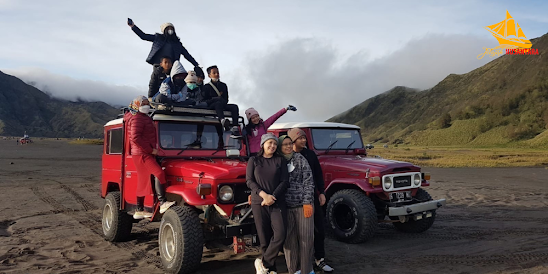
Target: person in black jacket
{"x":159,"y":74}
{"x":268,"y":178}
{"x":299,"y":145}
{"x":217,"y":93}
{"x":165,"y":43}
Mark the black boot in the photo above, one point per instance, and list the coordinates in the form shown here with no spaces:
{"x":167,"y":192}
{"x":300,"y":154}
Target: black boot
{"x":140,"y":203}
{"x":160,"y":191}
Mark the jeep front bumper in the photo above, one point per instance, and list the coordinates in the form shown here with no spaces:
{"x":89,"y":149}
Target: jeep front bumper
{"x":415,"y":208}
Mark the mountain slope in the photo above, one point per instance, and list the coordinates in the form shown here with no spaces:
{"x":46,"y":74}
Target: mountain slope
{"x":25,"y":108}
{"x":503,"y":101}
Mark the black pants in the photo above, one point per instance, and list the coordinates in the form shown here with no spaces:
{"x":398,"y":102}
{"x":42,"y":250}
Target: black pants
{"x":270,"y":222}
{"x":219,"y":104}
{"x":319,"y":230}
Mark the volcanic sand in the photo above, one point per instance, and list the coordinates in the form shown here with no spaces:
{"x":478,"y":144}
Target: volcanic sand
{"x":495,"y":221}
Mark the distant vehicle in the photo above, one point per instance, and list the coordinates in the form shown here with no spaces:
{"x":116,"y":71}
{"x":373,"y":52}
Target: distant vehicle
{"x":206,"y":181}
{"x":25,"y":140}
{"x":362,"y":191}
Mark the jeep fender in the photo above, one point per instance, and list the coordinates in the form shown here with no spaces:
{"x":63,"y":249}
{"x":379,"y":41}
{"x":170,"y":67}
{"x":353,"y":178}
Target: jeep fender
{"x":350,"y":183}
{"x":190,"y":196}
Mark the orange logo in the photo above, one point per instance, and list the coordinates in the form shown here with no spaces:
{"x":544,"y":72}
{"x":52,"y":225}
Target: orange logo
{"x":511,"y":39}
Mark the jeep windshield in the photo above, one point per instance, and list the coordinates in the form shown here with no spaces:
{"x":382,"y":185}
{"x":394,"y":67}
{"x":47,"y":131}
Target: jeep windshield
{"x":336,"y":139}
{"x":183,"y":136}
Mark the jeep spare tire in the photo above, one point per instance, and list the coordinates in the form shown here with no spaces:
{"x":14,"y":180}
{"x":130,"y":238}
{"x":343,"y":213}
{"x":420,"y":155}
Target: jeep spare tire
{"x":116,"y":223}
{"x":352,"y":216}
{"x":181,"y":240}
{"x":412,"y":226}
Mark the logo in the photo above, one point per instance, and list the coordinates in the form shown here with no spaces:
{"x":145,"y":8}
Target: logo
{"x":511,"y":39}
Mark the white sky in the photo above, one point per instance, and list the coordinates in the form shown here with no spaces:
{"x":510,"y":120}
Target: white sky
{"x":322,"y":56}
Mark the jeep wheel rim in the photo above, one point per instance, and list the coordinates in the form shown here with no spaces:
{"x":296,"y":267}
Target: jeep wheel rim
{"x":344,"y":217}
{"x":107,"y":218}
{"x":167,"y":242}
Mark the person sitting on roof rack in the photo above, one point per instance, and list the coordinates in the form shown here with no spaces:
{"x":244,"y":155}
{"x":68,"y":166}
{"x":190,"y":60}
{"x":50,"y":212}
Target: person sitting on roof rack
{"x":165,"y":43}
{"x":216,"y":93}
{"x":180,"y":88}
{"x":159,"y":74}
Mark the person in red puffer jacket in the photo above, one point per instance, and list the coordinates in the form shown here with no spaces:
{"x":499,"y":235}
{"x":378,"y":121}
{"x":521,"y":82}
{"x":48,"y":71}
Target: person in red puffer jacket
{"x":143,"y":140}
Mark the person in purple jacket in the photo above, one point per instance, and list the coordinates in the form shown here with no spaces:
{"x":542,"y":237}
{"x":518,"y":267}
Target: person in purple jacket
{"x":256,"y":127}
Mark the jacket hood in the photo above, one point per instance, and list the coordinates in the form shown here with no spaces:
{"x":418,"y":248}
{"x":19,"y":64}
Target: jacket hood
{"x":177,"y":68}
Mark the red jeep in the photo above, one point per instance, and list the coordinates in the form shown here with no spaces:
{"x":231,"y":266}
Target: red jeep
{"x":362,"y":191}
{"x":207,"y":181}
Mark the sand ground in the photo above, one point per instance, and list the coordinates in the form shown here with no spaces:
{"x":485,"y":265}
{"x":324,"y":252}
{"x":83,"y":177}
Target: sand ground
{"x":496,"y":221}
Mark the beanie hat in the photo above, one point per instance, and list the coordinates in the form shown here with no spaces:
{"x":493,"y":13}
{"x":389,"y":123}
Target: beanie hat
{"x":191,"y":77}
{"x":165,"y":25}
{"x":266,"y":137}
{"x":250,"y":112}
{"x":295,"y":133}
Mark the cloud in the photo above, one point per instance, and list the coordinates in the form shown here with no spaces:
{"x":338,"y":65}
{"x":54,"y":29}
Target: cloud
{"x":310,"y":74}
{"x":68,"y":88}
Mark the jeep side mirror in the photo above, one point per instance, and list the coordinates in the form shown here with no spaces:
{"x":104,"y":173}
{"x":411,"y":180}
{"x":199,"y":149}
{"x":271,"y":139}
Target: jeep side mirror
{"x":369,"y":146}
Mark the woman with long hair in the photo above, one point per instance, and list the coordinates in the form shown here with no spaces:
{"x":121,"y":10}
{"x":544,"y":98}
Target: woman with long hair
{"x":267,"y":177}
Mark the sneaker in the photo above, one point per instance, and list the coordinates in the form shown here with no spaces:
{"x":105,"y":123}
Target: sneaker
{"x":138,"y":215}
{"x":235,"y":133}
{"x":260,"y":267}
{"x":165,"y":206}
{"x":226,"y":124}
{"x":323,"y":266}
{"x":147,"y":215}
{"x":272,"y":272}
{"x":298,"y":272}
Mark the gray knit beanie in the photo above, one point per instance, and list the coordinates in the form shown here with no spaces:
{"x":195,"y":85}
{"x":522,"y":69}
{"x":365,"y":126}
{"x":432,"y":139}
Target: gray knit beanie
{"x":267,"y":137}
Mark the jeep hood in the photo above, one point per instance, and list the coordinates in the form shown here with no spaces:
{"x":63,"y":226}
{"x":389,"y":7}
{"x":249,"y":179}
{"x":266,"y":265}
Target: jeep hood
{"x":361,"y":164}
{"x":214,"y":169}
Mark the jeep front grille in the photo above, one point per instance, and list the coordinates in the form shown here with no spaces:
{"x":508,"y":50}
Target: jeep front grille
{"x":402,"y":181}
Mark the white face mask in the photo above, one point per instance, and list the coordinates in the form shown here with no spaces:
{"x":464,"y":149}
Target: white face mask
{"x":170,"y":31}
{"x":215,"y":79}
{"x":144,"y":109}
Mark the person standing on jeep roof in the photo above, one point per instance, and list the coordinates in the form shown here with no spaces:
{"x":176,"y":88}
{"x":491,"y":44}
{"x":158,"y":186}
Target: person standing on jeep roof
{"x":268,"y":178}
{"x":159,"y":74}
{"x":299,"y":242}
{"x":165,"y":43}
{"x":142,"y":136}
{"x":299,"y":145}
{"x":256,"y":127}
{"x":217,"y":99}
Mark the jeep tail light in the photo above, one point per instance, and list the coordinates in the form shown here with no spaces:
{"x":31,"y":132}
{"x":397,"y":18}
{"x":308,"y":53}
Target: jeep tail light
{"x":203,"y":189}
{"x":426,"y":175}
{"x":375,"y":181}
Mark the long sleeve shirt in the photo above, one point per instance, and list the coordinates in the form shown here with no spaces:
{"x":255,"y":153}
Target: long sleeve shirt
{"x":316,"y":169}
{"x":301,"y":183}
{"x":269,"y":175}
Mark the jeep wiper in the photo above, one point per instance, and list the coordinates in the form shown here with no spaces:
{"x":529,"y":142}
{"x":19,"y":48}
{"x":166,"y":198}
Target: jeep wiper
{"x":182,"y":150}
{"x":348,"y":147}
{"x":330,"y":146}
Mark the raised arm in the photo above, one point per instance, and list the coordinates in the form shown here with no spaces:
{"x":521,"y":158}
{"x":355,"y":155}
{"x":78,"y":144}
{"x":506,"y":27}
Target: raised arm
{"x":142,"y":35}
{"x":274,"y":117}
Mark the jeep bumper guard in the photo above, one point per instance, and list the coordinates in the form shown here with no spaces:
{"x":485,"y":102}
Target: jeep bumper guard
{"x":240,"y":230}
{"x":415,"y":208}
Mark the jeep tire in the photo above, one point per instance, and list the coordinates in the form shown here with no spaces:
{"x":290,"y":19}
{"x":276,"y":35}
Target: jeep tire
{"x":419,"y":226}
{"x":116,"y":223}
{"x":351,"y":216}
{"x":181,"y":240}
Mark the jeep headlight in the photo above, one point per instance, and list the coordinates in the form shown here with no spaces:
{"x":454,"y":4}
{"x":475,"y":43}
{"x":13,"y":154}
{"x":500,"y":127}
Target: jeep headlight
{"x":387,"y":182}
{"x":226,"y":193}
{"x":417,"y":179}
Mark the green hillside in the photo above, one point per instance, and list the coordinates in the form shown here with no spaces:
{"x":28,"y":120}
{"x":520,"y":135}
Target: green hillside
{"x":502,"y":103}
{"x":25,"y":108}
